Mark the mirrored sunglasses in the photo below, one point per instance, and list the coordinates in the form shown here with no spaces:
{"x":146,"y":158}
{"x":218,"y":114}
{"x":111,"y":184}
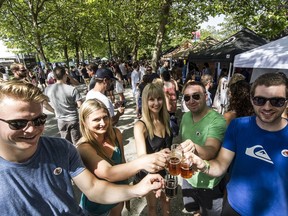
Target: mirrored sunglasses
{"x":274,"y":101}
{"x":18,"y":124}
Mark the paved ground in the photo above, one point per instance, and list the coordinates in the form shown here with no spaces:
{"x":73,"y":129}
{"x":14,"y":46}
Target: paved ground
{"x":126,"y":123}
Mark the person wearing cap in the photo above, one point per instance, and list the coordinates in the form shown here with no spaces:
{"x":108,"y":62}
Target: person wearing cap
{"x":103,"y":79}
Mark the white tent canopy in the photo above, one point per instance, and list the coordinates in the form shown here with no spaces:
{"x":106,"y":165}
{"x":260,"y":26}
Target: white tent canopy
{"x":273,"y":55}
{"x":259,"y":71}
{"x":5,"y":53}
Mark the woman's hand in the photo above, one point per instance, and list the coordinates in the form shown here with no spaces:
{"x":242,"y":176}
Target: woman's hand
{"x":154,"y":162}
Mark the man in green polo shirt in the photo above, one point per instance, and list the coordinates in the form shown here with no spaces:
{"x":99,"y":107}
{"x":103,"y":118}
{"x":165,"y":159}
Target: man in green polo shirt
{"x":202,"y":129}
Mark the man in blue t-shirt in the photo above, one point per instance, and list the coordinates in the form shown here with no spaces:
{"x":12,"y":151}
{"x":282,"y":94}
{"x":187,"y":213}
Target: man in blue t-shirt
{"x":258,"y":147}
{"x":36,"y":171}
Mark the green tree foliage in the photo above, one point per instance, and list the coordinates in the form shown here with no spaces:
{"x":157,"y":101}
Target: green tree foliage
{"x":62,"y":30}
{"x":269,"y":18}
{"x":23,"y":25}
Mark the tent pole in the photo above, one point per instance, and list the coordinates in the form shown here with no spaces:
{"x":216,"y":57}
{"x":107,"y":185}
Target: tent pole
{"x":229,"y":74}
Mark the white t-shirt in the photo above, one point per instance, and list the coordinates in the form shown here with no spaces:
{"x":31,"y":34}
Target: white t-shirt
{"x":92,"y":94}
{"x":142,"y":71}
{"x":123,"y":69}
{"x":134,"y":81}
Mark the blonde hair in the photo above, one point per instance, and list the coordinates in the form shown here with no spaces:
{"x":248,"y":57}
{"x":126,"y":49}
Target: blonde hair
{"x":206,"y":78}
{"x":158,"y":81}
{"x":22,"y":90}
{"x":154,"y":90}
{"x":88,"y":107}
{"x":235,"y":78}
{"x":15,"y":67}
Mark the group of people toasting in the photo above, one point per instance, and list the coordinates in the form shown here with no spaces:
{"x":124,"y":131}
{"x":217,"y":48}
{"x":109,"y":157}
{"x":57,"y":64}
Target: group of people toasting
{"x":225,"y":170}
{"x":36,"y":171}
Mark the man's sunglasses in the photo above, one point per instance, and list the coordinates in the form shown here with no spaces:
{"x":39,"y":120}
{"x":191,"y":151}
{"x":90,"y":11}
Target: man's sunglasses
{"x":275,"y":101}
{"x":194,"y":97}
{"x":18,"y":124}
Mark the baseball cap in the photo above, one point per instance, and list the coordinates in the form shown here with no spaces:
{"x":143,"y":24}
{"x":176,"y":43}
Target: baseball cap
{"x":102,"y":73}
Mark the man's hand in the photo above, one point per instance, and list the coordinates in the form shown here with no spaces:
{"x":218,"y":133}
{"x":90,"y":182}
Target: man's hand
{"x":188,"y":146}
{"x":198,"y":163}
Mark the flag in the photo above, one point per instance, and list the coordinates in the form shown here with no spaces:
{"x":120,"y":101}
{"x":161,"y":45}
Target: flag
{"x":196,"y":35}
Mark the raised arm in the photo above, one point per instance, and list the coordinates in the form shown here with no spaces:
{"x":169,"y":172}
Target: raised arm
{"x":216,"y":167}
{"x":113,"y":173}
{"x":207,"y":151}
{"x":107,"y":193}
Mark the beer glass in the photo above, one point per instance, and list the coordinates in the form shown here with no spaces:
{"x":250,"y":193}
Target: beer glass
{"x":171,"y":186}
{"x":186,"y":167}
{"x":174,"y":159}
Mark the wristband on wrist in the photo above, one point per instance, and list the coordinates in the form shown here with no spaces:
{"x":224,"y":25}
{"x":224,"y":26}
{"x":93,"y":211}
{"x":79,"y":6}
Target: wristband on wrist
{"x":206,"y":168}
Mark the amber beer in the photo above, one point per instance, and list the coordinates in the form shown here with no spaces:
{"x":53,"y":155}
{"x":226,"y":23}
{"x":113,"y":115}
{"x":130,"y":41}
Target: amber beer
{"x":174,"y":165}
{"x":186,"y":170}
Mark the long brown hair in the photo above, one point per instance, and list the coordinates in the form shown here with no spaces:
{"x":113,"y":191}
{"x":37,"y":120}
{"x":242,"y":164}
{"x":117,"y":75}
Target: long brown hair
{"x":240,"y":99}
{"x":86,"y":109}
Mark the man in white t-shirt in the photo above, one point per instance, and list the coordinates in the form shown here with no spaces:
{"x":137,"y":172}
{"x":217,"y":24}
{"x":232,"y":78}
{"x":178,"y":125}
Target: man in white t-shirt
{"x":135,"y":78}
{"x":103,"y":79}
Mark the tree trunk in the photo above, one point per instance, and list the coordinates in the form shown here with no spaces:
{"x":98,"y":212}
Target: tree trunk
{"x":135,"y":49}
{"x":40,"y":51}
{"x":65,"y":48}
{"x":165,"y":10}
{"x":82,"y":55}
{"x":77,"y":53}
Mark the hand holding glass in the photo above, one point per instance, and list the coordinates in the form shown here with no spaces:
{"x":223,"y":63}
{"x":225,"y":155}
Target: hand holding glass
{"x":174,"y":160}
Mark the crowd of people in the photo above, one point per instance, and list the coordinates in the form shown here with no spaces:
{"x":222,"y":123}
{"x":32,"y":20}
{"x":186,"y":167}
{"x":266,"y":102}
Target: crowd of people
{"x":236,"y":138}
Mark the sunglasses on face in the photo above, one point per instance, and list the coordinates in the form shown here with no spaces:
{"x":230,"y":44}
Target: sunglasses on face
{"x":194,"y":97}
{"x":18,"y":124}
{"x":275,"y":101}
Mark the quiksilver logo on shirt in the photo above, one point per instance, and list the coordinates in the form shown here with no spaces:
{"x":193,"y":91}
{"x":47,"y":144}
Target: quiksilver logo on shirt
{"x":258,"y":152}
